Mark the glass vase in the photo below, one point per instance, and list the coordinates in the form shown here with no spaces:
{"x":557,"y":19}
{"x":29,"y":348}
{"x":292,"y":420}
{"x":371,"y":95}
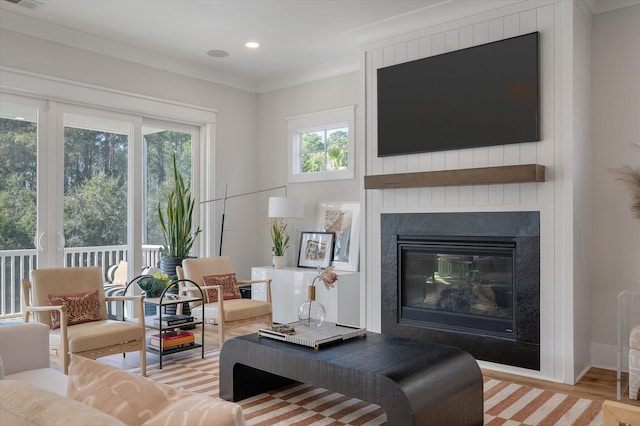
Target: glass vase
{"x":311,"y":313}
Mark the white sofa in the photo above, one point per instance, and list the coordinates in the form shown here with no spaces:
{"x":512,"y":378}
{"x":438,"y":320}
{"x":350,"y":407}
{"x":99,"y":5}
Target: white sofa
{"x":95,"y":393}
{"x":24,"y":356}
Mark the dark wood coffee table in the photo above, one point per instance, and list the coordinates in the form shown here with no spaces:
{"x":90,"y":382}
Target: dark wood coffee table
{"x":415,"y":383}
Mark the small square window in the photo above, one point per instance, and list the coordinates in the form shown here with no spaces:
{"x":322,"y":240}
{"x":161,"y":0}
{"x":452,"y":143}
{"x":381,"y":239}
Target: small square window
{"x":321,"y":146}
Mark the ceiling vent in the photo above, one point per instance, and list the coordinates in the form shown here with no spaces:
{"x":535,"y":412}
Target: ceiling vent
{"x":29,"y":4}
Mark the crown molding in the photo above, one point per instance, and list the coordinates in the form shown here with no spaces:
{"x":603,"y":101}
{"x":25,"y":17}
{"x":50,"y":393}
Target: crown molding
{"x":432,"y":15}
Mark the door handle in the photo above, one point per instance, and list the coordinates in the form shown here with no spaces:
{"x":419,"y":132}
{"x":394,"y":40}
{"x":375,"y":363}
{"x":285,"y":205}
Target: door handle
{"x":37,"y":241}
{"x":60,"y":240}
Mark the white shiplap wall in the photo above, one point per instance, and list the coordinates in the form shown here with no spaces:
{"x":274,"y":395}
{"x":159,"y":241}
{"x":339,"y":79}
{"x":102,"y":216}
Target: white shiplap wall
{"x":545,"y":17}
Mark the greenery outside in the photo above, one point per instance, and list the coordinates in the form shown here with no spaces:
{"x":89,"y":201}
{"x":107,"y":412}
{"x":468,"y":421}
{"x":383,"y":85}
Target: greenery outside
{"x":95,"y":183}
{"x":324,"y":150}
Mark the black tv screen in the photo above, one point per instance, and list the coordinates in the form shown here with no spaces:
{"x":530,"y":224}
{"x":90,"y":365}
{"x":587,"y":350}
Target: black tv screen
{"x":480,"y":96}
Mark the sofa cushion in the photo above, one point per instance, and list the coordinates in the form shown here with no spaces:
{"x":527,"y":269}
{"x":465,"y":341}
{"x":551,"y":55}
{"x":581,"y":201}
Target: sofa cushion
{"x":23,"y":404}
{"x":236,"y":309}
{"x":82,"y":307}
{"x":47,"y":378}
{"x":131,"y":398}
{"x":120,"y":274}
{"x":230,"y":289}
{"x":83,"y":337}
{"x":191,"y":410}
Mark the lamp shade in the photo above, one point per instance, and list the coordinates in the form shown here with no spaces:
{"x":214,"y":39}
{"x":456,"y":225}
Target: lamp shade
{"x":285,"y":207}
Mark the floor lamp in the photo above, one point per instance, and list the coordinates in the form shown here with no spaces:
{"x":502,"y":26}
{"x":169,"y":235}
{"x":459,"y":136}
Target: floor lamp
{"x":280,"y":206}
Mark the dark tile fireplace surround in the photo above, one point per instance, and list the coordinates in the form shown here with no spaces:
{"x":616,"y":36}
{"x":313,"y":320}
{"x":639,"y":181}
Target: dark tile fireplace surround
{"x":520,"y":345}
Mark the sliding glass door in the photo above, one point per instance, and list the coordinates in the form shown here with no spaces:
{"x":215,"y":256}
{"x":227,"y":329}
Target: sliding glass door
{"x":162,"y":142}
{"x":18,"y":195}
{"x":80,"y":187}
{"x":94,"y":187}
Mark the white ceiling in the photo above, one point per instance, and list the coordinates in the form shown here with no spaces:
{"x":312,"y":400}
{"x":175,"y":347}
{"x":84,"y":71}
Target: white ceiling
{"x":298,"y":37}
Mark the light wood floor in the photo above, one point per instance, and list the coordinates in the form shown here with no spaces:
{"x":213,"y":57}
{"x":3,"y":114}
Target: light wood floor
{"x":598,"y":384}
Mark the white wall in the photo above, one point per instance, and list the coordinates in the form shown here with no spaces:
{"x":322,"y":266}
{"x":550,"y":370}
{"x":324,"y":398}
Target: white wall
{"x":581,"y":152}
{"x":275,"y":108}
{"x":615,"y":252}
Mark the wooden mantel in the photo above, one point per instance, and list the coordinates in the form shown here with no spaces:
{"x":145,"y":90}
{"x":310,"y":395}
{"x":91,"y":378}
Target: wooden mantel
{"x":479,"y":176}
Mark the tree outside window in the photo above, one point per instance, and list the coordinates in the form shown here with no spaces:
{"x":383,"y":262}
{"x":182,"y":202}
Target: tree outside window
{"x":324,"y":150}
{"x":321,"y":146}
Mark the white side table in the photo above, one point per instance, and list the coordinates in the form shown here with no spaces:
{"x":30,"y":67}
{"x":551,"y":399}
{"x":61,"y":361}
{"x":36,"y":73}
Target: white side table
{"x":289,"y":291}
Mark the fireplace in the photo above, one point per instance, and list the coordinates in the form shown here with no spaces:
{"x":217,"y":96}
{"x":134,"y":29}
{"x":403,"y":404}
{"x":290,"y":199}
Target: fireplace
{"x":470,"y":280}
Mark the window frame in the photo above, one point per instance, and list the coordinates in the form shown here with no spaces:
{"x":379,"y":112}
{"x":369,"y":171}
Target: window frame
{"x":314,"y":122}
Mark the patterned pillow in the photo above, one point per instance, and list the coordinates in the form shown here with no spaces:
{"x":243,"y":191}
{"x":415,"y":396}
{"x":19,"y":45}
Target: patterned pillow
{"x":82,"y":307}
{"x":130,"y":398}
{"x":230,"y":289}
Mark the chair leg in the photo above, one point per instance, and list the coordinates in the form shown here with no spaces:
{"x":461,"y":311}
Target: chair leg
{"x":221,"y":332}
{"x":65,"y":358}
{"x":143,"y":361}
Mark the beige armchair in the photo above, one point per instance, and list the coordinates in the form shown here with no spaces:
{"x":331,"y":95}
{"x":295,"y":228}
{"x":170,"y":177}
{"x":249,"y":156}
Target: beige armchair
{"x":71,"y":301}
{"x":227,"y":314}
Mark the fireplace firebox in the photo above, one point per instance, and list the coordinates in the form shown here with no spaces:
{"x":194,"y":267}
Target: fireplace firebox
{"x":468,"y":279}
{"x":458,"y":284}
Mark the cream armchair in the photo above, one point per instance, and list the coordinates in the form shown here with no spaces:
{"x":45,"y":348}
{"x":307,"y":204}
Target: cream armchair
{"x":71,"y":301}
{"x":227,"y":314}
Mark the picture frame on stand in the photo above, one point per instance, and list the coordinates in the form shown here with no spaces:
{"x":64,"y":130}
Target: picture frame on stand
{"x":316,"y":249}
{"x":342,"y":219}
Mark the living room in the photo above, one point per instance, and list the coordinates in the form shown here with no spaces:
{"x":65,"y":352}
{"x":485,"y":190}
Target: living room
{"x":589,"y":125}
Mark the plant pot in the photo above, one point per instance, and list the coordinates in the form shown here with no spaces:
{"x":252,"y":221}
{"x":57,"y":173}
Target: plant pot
{"x":168,"y":266}
{"x":278,"y":262}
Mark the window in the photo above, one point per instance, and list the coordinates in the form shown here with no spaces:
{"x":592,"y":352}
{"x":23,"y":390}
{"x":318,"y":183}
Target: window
{"x":321,"y":145}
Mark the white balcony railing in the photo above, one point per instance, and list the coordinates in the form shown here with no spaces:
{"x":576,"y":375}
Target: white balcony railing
{"x":16,"y":265}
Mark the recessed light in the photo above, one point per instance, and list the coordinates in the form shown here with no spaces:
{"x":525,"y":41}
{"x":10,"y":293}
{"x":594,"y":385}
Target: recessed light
{"x":218,"y":53}
{"x":252,"y":44}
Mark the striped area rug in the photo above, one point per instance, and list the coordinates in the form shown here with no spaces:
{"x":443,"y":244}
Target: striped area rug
{"x":504,"y":403}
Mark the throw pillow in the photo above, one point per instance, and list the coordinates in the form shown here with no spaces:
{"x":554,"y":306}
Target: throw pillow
{"x":23,"y":404}
{"x":130,"y":398}
{"x":230,"y":289}
{"x":81,"y":307}
{"x":198,"y":410}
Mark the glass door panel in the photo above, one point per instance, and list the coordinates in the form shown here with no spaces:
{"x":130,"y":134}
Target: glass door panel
{"x":161,"y":142}
{"x":18,"y":174}
{"x":95,"y":185}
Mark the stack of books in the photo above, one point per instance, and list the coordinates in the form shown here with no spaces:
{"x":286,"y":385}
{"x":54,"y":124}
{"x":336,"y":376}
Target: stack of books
{"x":172,"y":320}
{"x":172,"y":340}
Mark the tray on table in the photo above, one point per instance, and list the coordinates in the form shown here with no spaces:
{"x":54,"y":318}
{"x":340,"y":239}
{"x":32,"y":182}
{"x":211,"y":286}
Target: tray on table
{"x":314,"y":337}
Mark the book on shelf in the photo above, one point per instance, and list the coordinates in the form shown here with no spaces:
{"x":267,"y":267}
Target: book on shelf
{"x":169,"y":320}
{"x":170,"y":339}
{"x":166,"y":348}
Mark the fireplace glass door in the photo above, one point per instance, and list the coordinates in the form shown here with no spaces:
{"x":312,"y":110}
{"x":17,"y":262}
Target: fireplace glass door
{"x":464,"y":285}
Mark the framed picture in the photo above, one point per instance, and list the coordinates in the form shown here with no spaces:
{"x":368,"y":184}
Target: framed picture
{"x":342,"y":219}
{"x":316,"y":249}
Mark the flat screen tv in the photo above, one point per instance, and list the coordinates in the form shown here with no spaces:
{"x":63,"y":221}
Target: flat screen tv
{"x":480,"y":96}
